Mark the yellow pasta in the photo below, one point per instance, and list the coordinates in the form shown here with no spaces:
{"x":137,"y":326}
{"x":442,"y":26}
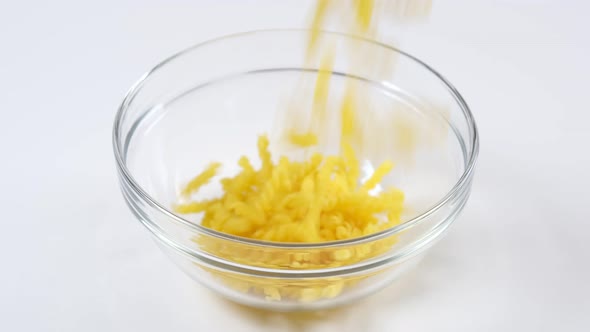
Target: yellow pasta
{"x":377,"y":176}
{"x":201,"y":179}
{"x":319,"y":17}
{"x":319,"y":199}
{"x":323,"y":79}
{"x":303,"y":140}
{"x":364,"y":10}
{"x":280,"y":203}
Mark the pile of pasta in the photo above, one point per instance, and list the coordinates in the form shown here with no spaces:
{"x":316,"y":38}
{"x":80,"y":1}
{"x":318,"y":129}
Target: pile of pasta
{"x":317,"y":200}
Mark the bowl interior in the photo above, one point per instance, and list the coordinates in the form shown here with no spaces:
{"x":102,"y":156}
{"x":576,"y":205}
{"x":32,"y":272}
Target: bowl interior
{"x":220,"y":120}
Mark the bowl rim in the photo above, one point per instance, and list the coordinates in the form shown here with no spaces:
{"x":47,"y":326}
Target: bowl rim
{"x":454,"y":191}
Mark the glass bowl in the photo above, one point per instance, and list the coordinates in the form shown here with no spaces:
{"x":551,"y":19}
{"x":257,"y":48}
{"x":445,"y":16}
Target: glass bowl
{"x":211,"y":101}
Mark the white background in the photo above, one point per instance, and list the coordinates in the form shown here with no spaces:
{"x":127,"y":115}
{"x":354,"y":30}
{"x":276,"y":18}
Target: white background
{"x":73,"y":258}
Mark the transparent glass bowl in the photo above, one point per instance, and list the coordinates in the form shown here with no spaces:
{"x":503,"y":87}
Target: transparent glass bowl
{"x":211,"y":101}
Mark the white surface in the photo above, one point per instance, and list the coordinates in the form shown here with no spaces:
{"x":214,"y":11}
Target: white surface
{"x":73,"y":258}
